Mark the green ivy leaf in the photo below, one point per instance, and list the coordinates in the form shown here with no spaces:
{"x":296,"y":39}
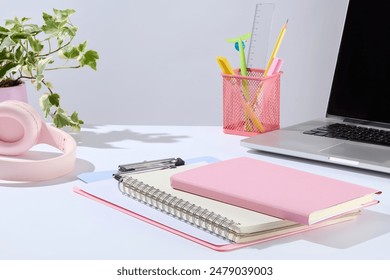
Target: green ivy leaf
{"x":35,"y":44}
{"x":54,"y":99}
{"x":9,"y":22}
{"x":69,"y":31}
{"x":76,"y":121}
{"x":7,"y":42}
{"x":7,"y":67}
{"x":33,"y":29}
{"x":6,"y":55}
{"x":19,"y":35}
{"x":19,"y":55}
{"x":50,"y":26}
{"x":4,"y":31}
{"x":49,"y":85}
{"x":82,"y":46}
{"x":42,"y":63}
{"x":45,"y":104}
{"x":63,"y":15}
{"x":61,"y":119}
{"x":89,"y":58}
{"x":65,"y":33}
{"x":71,"y":52}
{"x":75,"y":118}
{"x":38,"y":82}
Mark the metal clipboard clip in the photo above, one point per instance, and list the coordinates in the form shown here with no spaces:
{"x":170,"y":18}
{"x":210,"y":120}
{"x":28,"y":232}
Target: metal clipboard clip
{"x":147,"y":166}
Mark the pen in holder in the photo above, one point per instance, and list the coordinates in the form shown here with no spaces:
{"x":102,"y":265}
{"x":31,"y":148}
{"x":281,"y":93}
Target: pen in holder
{"x":258,"y":114}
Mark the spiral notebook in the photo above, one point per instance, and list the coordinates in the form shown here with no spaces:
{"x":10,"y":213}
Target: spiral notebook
{"x":191,"y":216}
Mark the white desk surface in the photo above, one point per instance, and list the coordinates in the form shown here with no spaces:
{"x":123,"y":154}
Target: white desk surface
{"x":49,"y":221}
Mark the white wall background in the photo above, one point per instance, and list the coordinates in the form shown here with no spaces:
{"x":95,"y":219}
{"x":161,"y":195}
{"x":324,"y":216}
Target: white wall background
{"x":157,"y":58}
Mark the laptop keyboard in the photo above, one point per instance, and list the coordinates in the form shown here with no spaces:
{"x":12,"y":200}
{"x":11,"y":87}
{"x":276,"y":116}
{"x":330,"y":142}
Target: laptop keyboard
{"x":353,"y":133}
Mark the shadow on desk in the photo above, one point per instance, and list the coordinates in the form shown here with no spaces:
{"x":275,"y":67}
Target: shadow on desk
{"x":81,"y":166}
{"x":89,"y":138}
{"x":367,"y":226}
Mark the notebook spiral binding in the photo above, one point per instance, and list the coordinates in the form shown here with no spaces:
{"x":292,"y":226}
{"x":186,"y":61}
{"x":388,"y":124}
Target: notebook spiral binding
{"x":179,"y":208}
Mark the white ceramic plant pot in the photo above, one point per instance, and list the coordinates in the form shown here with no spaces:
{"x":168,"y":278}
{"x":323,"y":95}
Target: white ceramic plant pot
{"x":18,"y":92}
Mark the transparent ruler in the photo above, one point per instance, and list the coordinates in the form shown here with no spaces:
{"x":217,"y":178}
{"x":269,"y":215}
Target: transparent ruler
{"x":258,"y":47}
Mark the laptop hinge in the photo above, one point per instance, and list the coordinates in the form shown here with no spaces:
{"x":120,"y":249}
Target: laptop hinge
{"x":369,"y":123}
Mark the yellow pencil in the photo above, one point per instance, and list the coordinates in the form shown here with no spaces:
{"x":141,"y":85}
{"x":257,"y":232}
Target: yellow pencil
{"x":276,"y":47}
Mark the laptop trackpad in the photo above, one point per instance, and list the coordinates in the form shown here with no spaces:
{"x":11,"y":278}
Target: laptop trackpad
{"x":353,"y":151}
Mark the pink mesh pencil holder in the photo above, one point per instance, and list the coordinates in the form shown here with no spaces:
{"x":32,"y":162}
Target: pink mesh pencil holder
{"x":251,"y":104}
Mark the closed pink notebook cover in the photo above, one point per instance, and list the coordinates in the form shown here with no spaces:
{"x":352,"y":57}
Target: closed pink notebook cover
{"x":275,"y":190}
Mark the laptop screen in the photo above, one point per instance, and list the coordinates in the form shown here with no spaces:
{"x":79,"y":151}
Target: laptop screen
{"x":361,"y":83}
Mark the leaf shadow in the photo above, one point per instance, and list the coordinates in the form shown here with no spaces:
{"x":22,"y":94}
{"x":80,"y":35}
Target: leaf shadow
{"x":88,"y":137}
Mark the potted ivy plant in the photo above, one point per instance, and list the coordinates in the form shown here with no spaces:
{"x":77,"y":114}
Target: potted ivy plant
{"x":28,"y":51}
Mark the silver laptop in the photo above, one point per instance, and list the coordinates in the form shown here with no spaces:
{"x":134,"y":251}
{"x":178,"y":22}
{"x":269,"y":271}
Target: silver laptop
{"x":356,"y":129}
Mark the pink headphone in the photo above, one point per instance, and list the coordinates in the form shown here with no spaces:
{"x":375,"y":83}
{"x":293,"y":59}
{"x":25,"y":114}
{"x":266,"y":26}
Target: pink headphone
{"x":21,"y":128}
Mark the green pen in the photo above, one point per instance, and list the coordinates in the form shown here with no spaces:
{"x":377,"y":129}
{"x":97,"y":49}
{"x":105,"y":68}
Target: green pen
{"x":239,"y":41}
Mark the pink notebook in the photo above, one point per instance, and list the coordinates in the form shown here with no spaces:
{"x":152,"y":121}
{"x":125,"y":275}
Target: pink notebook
{"x":275,"y":190}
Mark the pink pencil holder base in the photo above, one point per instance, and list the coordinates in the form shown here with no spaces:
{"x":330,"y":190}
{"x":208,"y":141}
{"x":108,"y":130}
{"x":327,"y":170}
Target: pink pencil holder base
{"x":251,"y":104}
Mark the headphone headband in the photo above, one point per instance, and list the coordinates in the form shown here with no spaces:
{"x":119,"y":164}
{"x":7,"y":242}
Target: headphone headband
{"x":29,"y":128}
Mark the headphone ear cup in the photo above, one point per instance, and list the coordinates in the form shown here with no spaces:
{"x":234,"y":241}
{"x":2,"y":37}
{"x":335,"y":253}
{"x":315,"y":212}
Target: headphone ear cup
{"x":20,"y":127}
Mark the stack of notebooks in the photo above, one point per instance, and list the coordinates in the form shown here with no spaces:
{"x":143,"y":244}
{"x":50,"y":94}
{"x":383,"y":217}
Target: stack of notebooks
{"x":243,"y":200}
